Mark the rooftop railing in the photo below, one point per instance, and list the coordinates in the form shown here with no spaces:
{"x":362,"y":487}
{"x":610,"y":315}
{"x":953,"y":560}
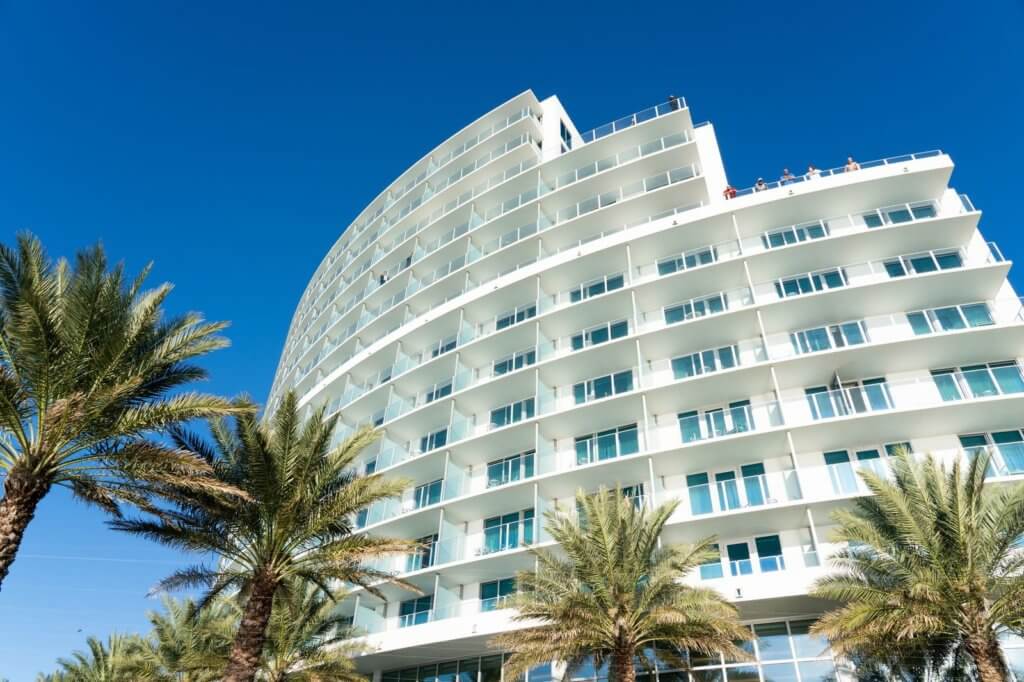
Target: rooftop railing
{"x":811,"y":176}
{"x":671,"y":106}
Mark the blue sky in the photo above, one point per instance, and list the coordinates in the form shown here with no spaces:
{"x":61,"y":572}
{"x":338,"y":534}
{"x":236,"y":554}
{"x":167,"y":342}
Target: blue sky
{"x":232,"y":143}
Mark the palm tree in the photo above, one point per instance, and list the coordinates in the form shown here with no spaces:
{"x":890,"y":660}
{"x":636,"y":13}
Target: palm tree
{"x":109,"y":662}
{"x":87,"y":366}
{"x":296,"y":523}
{"x":933,"y":565}
{"x":306,"y":640}
{"x":187,"y":645}
{"x":616,"y":593}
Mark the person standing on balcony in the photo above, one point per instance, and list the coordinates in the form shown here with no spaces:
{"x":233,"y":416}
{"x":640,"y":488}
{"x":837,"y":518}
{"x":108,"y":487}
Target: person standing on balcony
{"x":786,"y":177}
{"x":730,"y":192}
{"x":673,"y":102}
{"x":851,"y":165}
{"x":760,"y":185}
{"x":812,"y":172}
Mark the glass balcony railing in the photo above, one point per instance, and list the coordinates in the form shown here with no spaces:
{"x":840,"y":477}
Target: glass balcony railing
{"x":673,"y":105}
{"x":841,"y":170}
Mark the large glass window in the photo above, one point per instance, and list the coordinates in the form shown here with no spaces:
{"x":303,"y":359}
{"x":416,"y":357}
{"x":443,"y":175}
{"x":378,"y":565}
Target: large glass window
{"x":699,"y":490}
{"x":828,"y":337}
{"x":438,"y":391}
{"x":434,"y":440}
{"x":1005,"y":448}
{"x":698,"y":307}
{"x":712,"y":568}
{"x":690,"y":259}
{"x":607,"y":444}
{"x":695,"y":425}
{"x":512,"y":413}
{"x":600,"y":334}
{"x":854,"y":397}
{"x":523,"y":312}
{"x":769,"y":553}
{"x":495,"y":593}
{"x":596,"y":287}
{"x":427,"y":494}
{"x":705,"y":361}
{"x":602,"y":387}
{"x":794,"y":234}
{"x":950,"y":318}
{"x":979,"y":381}
{"x":811,"y":282}
{"x":423,"y":556}
{"x":508,"y":531}
{"x":443,"y":346}
{"x":518,"y":360}
{"x":920,"y":263}
{"x":509,"y":469}
{"x":415,"y":611}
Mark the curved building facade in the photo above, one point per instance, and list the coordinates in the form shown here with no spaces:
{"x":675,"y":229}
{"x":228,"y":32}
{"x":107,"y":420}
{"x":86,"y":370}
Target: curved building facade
{"x":528,"y":311}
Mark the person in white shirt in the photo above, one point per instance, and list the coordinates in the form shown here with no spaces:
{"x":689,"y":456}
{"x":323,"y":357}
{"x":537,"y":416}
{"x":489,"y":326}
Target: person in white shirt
{"x":812,"y":172}
{"x":760,"y":186}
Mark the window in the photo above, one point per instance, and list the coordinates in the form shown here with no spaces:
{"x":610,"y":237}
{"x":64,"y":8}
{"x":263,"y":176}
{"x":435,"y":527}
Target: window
{"x":739,"y":558}
{"x":695,"y":425}
{"x":438,"y":391}
{"x":769,"y":553}
{"x":634,"y":493}
{"x":700,"y":494}
{"x":565,"y":134}
{"x":523,"y":312}
{"x":979,"y":381}
{"x":596,"y":287}
{"x":950,"y":318}
{"x":829,"y":337}
{"x":899,"y":214}
{"x":853,"y":397}
{"x":1005,"y":448}
{"x":423,"y":556}
{"x":415,"y":611}
{"x":443,"y":346}
{"x":734,"y":489}
{"x":920,"y":263}
{"x":427,"y":494}
{"x":600,"y":334}
{"x":495,"y":593}
{"x":713,"y":567}
{"x":434,"y":440}
{"x":792,"y":235}
{"x":698,"y":307}
{"x":509,"y":469}
{"x":607,"y":444}
{"x":602,"y":387}
{"x":689,"y":259}
{"x":811,"y":282}
{"x":508,"y":531}
{"x":512,"y":413}
{"x":518,"y":360}
{"x":705,"y":361}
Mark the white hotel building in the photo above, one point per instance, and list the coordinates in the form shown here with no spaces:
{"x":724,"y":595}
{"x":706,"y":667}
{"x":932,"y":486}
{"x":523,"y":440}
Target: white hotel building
{"x":528,"y":311}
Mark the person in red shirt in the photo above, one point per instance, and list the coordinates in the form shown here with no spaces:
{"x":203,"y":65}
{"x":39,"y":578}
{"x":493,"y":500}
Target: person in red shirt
{"x":730,"y":192}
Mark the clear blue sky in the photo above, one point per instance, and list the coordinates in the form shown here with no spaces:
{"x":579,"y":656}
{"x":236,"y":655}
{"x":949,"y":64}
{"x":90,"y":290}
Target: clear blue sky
{"x":232,"y":143}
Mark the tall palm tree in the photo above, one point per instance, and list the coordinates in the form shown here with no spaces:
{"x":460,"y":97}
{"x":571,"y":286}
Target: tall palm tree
{"x":185,"y":644}
{"x":306,"y":640}
{"x":87,"y":367}
{"x":103,"y":662}
{"x":616,"y":592}
{"x":934,"y":564}
{"x":296,"y":523}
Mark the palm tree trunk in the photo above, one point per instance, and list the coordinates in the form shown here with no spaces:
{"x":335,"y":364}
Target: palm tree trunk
{"x":622,"y":669}
{"x":988,"y":658}
{"x":22,"y":494}
{"x":247,"y":650}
